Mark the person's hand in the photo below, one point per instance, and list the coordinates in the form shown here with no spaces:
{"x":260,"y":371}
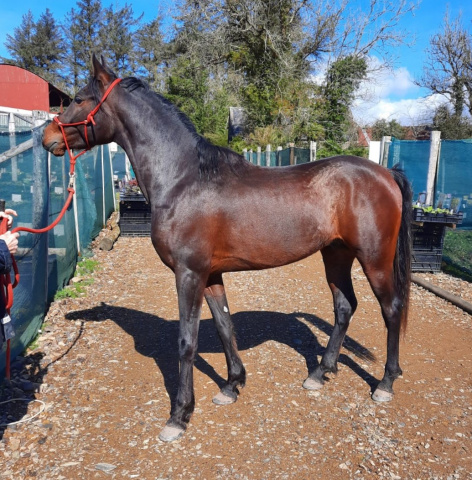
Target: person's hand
{"x":11,"y":239}
{"x":8,"y":215}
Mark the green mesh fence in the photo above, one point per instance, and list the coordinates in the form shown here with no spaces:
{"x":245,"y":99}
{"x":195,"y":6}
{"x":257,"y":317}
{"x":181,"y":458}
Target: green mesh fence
{"x":279,"y":158}
{"x":35,"y":185}
{"x":454,"y":178}
{"x":413,"y":158}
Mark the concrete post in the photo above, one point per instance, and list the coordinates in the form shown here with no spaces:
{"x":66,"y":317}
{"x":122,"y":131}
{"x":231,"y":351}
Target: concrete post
{"x":433,"y":165}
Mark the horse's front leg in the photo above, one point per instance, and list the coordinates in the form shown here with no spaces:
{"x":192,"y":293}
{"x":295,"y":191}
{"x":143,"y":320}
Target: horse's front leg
{"x":216,"y":299}
{"x":190,"y":286}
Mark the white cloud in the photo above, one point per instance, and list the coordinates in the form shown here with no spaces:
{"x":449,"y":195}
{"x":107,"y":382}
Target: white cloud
{"x":411,"y":111}
{"x":393,"y":94}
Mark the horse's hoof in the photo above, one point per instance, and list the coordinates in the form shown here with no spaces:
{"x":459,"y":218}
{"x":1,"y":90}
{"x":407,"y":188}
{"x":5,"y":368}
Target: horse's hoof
{"x":170,"y":433}
{"x":311,"y":384}
{"x":382,"y":396}
{"x":222,"y":399}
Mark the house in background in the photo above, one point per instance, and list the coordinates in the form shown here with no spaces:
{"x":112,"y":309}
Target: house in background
{"x":236,"y":122}
{"x":21,"y":89}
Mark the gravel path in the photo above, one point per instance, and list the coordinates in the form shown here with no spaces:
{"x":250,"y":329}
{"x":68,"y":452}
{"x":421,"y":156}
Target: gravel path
{"x":106,"y":368}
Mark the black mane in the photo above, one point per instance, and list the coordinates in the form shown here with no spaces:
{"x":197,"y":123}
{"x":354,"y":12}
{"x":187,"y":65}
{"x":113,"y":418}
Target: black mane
{"x":210,"y":157}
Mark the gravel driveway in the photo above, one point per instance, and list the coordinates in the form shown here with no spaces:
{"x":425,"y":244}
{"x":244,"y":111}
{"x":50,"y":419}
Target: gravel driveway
{"x":106,"y":368}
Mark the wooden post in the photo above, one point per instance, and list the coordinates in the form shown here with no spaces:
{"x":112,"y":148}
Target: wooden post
{"x":292,"y":153}
{"x":259,"y":155}
{"x":433,"y":165}
{"x":267,"y":162}
{"x":245,"y":153}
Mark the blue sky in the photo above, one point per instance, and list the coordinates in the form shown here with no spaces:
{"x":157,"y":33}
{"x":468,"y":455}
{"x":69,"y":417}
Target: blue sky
{"x":391,"y":96}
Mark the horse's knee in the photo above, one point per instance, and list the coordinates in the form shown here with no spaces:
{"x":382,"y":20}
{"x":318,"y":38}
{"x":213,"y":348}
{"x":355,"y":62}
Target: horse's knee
{"x":187,"y":350}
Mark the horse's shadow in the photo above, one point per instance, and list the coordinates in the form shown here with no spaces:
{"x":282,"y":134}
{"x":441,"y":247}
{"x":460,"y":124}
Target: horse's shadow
{"x":156,"y":337}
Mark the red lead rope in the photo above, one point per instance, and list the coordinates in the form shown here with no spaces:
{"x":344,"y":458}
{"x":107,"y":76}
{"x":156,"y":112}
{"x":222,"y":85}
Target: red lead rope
{"x":6,"y":286}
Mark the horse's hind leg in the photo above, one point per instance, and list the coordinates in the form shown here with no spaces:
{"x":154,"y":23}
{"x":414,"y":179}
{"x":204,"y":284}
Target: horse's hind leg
{"x":216,"y":299}
{"x":382,"y":283}
{"x":338,"y":263}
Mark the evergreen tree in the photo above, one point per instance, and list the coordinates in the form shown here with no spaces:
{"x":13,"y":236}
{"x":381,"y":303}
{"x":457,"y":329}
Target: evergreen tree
{"x":150,"y":52}
{"x":116,"y":38}
{"x":20,"y":44}
{"x":83,"y":34}
{"x":48,"y":47}
{"x":343,"y":78}
{"x":37,"y":46}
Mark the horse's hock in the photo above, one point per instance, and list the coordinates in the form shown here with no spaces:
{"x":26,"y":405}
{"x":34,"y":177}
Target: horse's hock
{"x":109,"y":368}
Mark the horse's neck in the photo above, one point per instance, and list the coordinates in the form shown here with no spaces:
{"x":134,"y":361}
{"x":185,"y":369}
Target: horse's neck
{"x":161,"y":156}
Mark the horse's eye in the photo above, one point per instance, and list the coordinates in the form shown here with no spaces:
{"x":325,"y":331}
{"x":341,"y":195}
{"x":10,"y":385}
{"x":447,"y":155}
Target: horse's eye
{"x":78,"y":100}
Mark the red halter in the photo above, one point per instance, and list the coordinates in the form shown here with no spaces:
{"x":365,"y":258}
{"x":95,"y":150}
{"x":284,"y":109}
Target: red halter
{"x":85,"y":123}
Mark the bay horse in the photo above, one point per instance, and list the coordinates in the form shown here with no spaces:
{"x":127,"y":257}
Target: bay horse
{"x":214,"y":212}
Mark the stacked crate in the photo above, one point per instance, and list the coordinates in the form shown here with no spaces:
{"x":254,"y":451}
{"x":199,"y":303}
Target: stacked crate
{"x":428,"y":232}
{"x":135,"y":216}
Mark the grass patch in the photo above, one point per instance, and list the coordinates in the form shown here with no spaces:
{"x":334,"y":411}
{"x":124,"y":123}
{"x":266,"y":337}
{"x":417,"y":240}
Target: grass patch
{"x":457,"y":253}
{"x":83,"y":271}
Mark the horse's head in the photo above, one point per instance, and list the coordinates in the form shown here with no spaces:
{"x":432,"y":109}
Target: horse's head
{"x":86,"y":122}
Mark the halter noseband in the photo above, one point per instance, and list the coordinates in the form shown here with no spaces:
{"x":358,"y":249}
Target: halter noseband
{"x":85,"y":123}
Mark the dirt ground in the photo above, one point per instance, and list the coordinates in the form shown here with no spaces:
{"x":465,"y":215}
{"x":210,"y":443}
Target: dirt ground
{"x":106,"y":368}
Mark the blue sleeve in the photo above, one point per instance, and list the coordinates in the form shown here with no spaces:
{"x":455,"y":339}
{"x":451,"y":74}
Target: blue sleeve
{"x":5,"y":258}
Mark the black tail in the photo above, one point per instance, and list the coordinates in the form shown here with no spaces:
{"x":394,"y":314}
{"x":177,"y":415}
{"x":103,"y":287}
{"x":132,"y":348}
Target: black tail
{"x":402,"y":263}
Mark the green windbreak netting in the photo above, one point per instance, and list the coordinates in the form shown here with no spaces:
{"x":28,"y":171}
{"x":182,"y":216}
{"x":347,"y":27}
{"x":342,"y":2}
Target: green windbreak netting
{"x":279,"y":158}
{"x":413,"y":157}
{"x":24,"y":187}
{"x":35,"y":184}
{"x":454,"y":177}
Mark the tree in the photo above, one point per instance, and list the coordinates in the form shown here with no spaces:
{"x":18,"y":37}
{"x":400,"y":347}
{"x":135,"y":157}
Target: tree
{"x":48,"y":47}
{"x":150,"y":52}
{"x":383,"y":128}
{"x":205,"y":102}
{"x":20,"y":44}
{"x":342,"y":81}
{"x":451,"y":126}
{"x":82,"y":28}
{"x":37,"y":46}
{"x":116,"y":38}
{"x":448,"y":67}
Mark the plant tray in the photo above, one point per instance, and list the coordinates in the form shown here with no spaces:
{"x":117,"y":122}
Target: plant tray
{"x":420,"y":215}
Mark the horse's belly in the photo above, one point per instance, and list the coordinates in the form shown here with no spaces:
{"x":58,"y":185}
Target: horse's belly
{"x":268,"y":244}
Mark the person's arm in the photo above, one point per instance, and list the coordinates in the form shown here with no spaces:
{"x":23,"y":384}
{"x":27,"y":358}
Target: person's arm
{"x":5,"y":256}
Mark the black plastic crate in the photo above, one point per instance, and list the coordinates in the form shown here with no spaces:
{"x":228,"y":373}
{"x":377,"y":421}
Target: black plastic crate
{"x":128,"y":229}
{"x":135,"y":216}
{"x":429,"y":236}
{"x":426,"y":261}
{"x":131,"y":203}
{"x":428,"y":243}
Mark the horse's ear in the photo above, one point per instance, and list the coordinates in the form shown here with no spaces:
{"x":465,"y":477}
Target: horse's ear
{"x":101,"y":72}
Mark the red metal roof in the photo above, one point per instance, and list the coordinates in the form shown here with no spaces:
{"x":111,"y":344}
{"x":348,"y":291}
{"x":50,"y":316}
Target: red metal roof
{"x":20,"y":88}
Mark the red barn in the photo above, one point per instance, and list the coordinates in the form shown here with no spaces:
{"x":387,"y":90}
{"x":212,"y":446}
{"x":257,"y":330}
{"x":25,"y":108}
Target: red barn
{"x":22,"y":89}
